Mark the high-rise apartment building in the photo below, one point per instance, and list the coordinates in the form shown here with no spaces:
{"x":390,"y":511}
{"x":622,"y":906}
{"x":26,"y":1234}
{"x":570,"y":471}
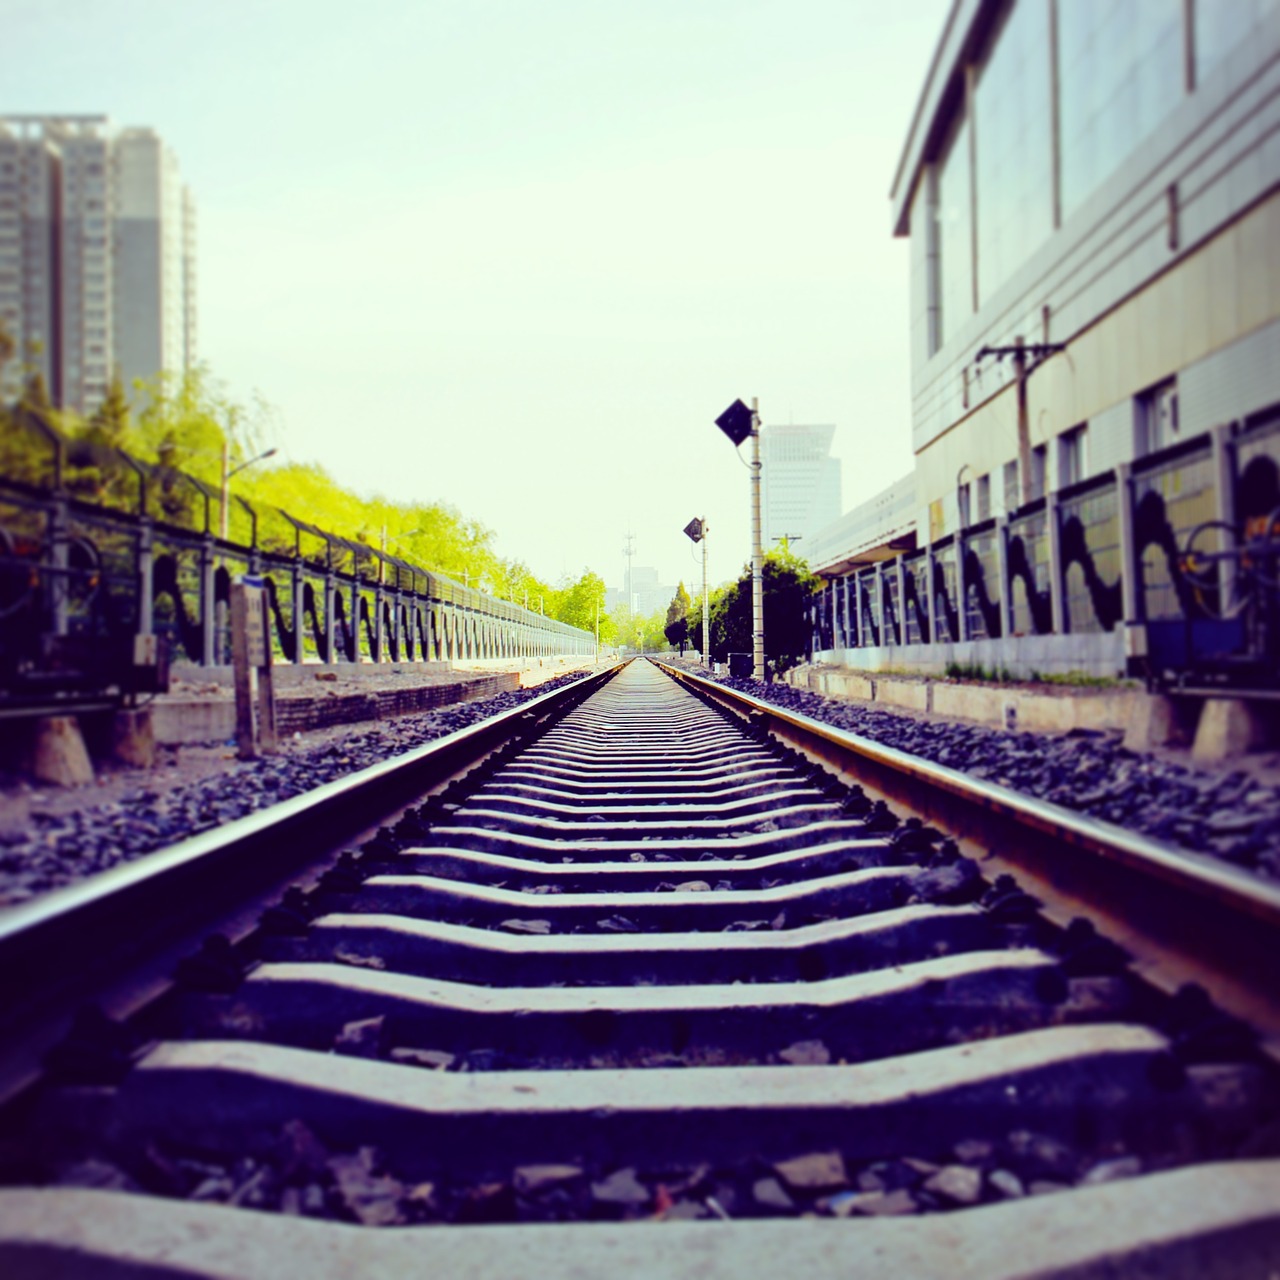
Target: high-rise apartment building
{"x":800,"y":482}
{"x":97,"y":256}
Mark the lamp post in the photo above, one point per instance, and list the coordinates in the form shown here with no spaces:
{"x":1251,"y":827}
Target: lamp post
{"x":696,"y":531}
{"x":227,"y":472}
{"x":738,"y":422}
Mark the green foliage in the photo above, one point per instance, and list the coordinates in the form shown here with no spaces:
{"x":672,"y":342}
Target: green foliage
{"x":676,"y":629}
{"x":185,"y":428}
{"x":1079,"y":680}
{"x":787,"y":584}
{"x":976,"y":671}
{"x":580,"y":603}
{"x":28,"y":441}
{"x":638,"y":632}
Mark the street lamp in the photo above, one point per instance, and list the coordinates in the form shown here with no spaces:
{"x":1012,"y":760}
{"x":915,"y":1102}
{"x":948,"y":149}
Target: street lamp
{"x":696,"y":531}
{"x":227,"y":472}
{"x":738,"y":422}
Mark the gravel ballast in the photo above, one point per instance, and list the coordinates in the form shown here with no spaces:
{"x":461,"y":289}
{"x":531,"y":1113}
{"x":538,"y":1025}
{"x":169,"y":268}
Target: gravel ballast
{"x":53,"y":840}
{"x":1232,"y":814}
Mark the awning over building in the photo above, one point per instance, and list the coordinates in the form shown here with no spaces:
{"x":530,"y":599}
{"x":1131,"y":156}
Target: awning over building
{"x":878,"y":529}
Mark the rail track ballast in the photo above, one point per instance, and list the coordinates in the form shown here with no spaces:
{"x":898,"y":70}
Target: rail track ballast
{"x":641,"y":980}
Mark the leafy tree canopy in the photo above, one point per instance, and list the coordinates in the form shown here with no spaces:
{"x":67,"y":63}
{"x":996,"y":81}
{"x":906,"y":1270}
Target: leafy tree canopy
{"x":787,"y":586}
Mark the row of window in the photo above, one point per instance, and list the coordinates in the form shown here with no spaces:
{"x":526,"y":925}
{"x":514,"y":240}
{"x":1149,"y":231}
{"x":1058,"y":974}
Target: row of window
{"x":1017,"y":161}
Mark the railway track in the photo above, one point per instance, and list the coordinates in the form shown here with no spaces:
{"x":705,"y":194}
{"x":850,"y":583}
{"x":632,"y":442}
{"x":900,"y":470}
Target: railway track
{"x":646,"y":983}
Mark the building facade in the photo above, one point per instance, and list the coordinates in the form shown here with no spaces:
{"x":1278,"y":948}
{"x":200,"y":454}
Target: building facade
{"x":800,"y":482}
{"x":97,"y":256}
{"x":1092,"y":197}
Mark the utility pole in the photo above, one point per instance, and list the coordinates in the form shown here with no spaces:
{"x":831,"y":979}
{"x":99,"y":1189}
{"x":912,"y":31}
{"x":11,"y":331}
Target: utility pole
{"x":706,"y":604}
{"x":696,"y":531}
{"x":628,"y":551}
{"x":1024,"y":424}
{"x":757,"y":553}
{"x":1027,"y":356}
{"x":738,"y":422}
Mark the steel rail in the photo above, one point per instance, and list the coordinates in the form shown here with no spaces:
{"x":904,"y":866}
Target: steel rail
{"x":1182,"y":916}
{"x":113,"y":938}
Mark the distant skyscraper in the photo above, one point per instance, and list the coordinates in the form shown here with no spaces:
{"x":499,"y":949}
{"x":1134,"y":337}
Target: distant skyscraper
{"x":800,"y":482}
{"x":97,"y":255}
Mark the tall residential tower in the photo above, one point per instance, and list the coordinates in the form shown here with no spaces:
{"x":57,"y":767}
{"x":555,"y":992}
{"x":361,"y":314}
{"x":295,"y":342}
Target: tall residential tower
{"x":97,"y":256}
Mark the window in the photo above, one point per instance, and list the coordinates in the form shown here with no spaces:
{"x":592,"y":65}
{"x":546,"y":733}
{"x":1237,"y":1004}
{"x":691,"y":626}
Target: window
{"x":1011,"y":497}
{"x":953,"y":285}
{"x":1220,"y":27}
{"x":1039,"y":471}
{"x":984,"y":498}
{"x":1157,"y":417}
{"x":1120,"y":68}
{"x":1013,"y":130}
{"x":1071,"y":459}
{"x":963,"y":503}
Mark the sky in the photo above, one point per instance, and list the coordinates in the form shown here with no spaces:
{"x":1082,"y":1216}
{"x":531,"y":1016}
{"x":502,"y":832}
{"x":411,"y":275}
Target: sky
{"x":517,"y":255}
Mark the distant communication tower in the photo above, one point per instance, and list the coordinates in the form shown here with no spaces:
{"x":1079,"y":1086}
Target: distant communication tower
{"x":628,"y":551}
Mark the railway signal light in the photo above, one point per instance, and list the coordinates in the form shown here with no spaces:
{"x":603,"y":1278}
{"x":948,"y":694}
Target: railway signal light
{"x":736,"y":422}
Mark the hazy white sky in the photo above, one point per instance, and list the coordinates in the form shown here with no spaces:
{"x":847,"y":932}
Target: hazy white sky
{"x":519,"y":254}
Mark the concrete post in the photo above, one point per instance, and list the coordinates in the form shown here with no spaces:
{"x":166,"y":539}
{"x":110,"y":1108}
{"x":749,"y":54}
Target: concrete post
{"x":1057,"y":586}
{"x":146,"y":577}
{"x":900,"y":576}
{"x":208,"y":604}
{"x":330,"y":628}
{"x":930,"y":594}
{"x":1130,"y":562}
{"x":858,"y":606}
{"x":354,"y":647}
{"x":882,"y":601}
{"x":1224,"y":483}
{"x":60,"y":563}
{"x":1131,"y":602}
{"x":297,"y":590}
{"x":1004,"y":586}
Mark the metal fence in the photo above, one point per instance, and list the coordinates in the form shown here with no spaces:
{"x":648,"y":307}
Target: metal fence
{"x":1181,"y":548}
{"x":98,"y":550}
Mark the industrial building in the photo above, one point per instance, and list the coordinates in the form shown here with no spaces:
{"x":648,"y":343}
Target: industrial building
{"x":97,"y":256}
{"x":1091,"y":192}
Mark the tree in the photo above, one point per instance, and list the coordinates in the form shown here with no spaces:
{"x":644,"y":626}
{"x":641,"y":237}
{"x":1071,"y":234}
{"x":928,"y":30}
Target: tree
{"x":97,"y":470}
{"x":677,"y":625}
{"x":581,"y":603}
{"x":788,"y":584}
{"x":27,"y":450}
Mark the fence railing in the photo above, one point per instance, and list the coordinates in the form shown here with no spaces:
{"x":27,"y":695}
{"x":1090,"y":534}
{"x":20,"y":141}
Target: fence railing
{"x":98,"y":549}
{"x":1180,"y":550}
